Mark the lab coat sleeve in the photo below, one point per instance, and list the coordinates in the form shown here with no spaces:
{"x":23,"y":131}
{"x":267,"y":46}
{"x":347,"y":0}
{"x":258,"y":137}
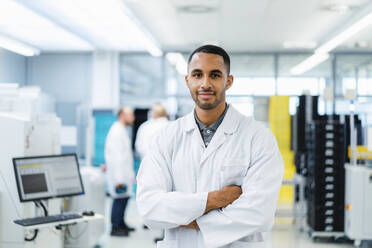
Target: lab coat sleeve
{"x":160,"y":206}
{"x":253,"y":212}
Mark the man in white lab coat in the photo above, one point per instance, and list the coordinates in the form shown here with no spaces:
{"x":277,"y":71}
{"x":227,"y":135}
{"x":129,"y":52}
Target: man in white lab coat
{"x":211,"y":178}
{"x":120,"y":173}
{"x":148,"y":129}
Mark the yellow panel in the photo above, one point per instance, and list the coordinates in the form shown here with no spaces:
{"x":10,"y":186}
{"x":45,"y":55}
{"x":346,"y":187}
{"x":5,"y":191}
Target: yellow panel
{"x":364,"y":152}
{"x":286,"y":194}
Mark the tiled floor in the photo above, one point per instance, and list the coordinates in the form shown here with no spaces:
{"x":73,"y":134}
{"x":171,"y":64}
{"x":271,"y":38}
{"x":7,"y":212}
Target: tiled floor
{"x":284,"y":235}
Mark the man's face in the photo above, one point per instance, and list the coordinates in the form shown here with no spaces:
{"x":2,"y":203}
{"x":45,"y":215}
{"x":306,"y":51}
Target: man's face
{"x":129,"y":118}
{"x":207,"y":80}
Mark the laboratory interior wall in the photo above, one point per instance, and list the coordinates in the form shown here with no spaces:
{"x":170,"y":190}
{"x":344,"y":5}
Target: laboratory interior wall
{"x":67,"y":77}
{"x":152,"y":78}
{"x":141,"y":77}
{"x":12,"y":67}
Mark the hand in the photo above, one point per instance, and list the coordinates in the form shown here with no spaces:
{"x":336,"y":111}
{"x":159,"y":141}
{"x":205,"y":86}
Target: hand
{"x":192,"y":225}
{"x":222,"y":198}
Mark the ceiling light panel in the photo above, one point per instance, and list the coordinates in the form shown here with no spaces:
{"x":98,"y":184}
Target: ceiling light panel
{"x":178,"y":61}
{"x":346,"y":34}
{"x":309,"y":63}
{"x":22,"y":24}
{"x":107,"y":24}
{"x":17,"y":47}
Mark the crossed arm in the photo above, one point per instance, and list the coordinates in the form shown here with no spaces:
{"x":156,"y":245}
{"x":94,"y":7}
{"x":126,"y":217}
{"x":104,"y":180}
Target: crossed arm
{"x":218,"y":199}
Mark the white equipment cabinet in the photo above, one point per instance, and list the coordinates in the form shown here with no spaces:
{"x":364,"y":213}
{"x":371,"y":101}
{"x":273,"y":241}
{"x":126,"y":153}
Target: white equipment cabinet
{"x":23,"y":134}
{"x":89,"y":234}
{"x":358,"y":203}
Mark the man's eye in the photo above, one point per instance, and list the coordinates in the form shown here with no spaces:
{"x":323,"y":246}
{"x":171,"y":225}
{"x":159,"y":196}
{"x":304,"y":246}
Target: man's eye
{"x":215,"y":76}
{"x":197,"y":75}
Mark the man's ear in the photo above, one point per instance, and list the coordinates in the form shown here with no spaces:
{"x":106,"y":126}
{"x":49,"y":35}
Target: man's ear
{"x":229,"y":82}
{"x":187,"y":81}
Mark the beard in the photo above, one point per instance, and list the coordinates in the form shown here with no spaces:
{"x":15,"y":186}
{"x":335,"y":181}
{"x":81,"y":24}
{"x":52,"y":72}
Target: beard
{"x":208,"y":105}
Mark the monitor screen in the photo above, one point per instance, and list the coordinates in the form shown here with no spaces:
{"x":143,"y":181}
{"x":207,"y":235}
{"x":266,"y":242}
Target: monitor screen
{"x":46,"y":177}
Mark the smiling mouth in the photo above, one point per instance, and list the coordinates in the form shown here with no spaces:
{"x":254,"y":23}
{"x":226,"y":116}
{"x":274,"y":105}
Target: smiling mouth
{"x":206,"y":96}
{"x":206,"y":93}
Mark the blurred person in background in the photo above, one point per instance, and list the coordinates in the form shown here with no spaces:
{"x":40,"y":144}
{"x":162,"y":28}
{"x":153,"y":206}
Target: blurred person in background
{"x":147,"y":131}
{"x":120,"y":173}
{"x":149,"y":128}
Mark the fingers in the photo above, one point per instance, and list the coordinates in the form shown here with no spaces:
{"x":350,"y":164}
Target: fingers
{"x":233,"y":189}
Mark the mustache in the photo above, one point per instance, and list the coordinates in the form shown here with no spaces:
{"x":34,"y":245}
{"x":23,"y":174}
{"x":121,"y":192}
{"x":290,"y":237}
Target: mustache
{"x":206,"y":92}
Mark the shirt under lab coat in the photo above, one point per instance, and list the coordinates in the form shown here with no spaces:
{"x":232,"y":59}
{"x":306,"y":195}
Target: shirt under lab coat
{"x":119,"y":160}
{"x":179,"y":171}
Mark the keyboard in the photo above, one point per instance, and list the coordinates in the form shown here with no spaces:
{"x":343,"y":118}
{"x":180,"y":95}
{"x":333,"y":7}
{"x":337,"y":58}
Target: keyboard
{"x":48,"y":219}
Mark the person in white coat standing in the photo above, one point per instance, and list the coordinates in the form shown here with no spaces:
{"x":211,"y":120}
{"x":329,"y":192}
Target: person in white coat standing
{"x":147,"y":131}
{"x":150,"y":128}
{"x":211,"y":178}
{"x":120,"y":173}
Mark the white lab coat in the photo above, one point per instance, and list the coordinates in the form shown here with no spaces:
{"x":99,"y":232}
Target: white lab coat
{"x":146,"y":133}
{"x":178,"y":172}
{"x":119,"y":160}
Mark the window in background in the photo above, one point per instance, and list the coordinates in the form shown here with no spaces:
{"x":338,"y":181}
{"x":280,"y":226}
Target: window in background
{"x":171,"y":102}
{"x":297,"y":86}
{"x":252,"y":86}
{"x":365,"y":86}
{"x":287,"y":62}
{"x":348,"y":84}
{"x":252,"y":66}
{"x":243,"y":104}
{"x":141,"y":77}
{"x":293,"y":103}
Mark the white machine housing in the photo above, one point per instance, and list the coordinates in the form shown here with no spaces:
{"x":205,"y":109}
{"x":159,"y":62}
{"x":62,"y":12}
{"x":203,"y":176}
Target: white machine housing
{"x":24,"y":134}
{"x":91,"y":233}
{"x":358,"y":202}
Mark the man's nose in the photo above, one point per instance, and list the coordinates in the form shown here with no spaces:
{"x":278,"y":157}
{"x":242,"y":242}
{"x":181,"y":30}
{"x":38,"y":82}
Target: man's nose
{"x":205,"y":83}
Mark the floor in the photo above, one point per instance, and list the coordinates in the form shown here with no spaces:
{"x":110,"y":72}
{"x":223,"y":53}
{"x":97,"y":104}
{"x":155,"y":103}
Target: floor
{"x":284,"y":235}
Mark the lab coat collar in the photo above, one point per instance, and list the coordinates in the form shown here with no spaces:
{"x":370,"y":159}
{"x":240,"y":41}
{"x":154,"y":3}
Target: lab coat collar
{"x":229,"y":124}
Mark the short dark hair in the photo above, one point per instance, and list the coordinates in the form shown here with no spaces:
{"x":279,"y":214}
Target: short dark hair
{"x":213,"y":50}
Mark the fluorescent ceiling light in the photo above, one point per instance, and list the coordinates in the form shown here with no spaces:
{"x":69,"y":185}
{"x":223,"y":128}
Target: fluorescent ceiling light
{"x":18,"y":47}
{"x":345,"y":35}
{"x":178,"y":61}
{"x":321,"y":53}
{"x":309,"y":63}
{"x":23,"y":24}
{"x":107,"y":24}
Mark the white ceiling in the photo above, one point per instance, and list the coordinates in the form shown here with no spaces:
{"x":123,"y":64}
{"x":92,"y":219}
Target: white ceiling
{"x":237,"y":25}
{"x":245,"y":25}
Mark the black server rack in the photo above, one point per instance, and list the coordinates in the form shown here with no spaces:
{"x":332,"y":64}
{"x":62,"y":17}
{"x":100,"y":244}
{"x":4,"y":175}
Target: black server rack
{"x":307,"y":112}
{"x":326,"y":147}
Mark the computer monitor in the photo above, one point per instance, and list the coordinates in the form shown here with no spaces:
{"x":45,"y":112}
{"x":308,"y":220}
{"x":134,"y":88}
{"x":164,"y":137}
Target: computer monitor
{"x":45,"y":177}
